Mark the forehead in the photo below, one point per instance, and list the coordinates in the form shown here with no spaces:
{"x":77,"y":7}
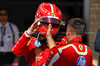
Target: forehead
{"x":3,"y":11}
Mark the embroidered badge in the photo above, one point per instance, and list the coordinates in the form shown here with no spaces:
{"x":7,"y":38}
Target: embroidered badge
{"x":81,"y":47}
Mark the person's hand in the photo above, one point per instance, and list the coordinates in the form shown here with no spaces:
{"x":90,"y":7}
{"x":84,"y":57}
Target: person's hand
{"x":50,"y":41}
{"x":49,"y":33}
{"x":16,"y":62}
{"x":33,"y":27}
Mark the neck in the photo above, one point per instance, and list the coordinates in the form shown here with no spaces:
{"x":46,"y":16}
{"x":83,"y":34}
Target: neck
{"x":73,"y":36}
{"x":3,"y":23}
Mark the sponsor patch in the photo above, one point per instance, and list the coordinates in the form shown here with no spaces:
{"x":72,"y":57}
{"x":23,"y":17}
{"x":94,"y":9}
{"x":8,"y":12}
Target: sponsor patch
{"x":81,"y":61}
{"x":37,"y":43}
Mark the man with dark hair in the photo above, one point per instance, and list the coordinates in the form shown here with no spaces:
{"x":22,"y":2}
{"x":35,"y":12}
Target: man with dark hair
{"x":77,"y":26}
{"x":74,"y":53}
{"x":8,"y":36}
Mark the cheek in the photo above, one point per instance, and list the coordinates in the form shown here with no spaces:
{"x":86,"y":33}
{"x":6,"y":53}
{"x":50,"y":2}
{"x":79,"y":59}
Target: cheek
{"x":6,"y":17}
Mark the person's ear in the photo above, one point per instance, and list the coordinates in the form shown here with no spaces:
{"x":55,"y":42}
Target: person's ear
{"x":68,"y":32}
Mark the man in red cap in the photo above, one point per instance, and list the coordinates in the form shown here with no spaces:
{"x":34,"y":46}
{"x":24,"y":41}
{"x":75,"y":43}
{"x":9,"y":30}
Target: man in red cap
{"x":34,"y":48}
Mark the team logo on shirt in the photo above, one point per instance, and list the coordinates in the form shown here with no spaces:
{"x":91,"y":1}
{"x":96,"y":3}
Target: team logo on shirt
{"x":81,"y":61}
{"x":37,"y":43}
{"x":81,"y":47}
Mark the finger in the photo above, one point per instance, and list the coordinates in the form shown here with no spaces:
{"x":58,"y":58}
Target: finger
{"x":34,"y":30}
{"x":50,"y":26}
{"x":36,"y":21}
{"x":49,"y":29}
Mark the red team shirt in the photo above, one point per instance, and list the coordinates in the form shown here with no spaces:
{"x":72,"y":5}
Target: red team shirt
{"x":26,"y":47}
{"x":71,"y":54}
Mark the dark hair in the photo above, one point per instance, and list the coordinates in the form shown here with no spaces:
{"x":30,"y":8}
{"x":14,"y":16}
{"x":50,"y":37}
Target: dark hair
{"x":4,"y":9}
{"x":77,"y":26}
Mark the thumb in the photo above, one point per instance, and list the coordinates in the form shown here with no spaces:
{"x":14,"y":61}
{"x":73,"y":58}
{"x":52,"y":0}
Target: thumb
{"x":50,"y":26}
{"x":49,"y":33}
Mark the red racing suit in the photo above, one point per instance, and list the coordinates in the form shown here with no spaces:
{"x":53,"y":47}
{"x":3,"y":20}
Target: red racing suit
{"x":72,"y":54}
{"x":26,"y":47}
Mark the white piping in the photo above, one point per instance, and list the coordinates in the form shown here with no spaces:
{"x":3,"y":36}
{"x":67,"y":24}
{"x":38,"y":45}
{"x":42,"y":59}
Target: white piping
{"x":51,"y":9}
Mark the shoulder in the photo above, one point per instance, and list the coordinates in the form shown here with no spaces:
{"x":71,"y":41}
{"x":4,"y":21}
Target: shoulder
{"x":65,"y":46}
{"x":61,"y":48}
{"x":89,"y":50}
{"x":13,"y":25}
{"x":79,"y":48}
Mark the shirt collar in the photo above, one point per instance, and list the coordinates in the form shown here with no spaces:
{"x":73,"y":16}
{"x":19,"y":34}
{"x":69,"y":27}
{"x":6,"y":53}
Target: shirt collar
{"x":5,"y":24}
{"x":76,"y":39}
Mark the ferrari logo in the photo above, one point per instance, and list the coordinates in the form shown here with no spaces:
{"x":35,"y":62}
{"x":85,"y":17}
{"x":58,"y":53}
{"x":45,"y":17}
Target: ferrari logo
{"x":52,"y":14}
{"x":81,"y":47}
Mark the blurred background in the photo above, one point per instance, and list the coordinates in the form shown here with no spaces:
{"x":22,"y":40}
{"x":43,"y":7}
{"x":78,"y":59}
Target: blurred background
{"x":22,"y":13}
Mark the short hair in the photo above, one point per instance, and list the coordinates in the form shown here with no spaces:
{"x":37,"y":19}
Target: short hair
{"x":77,"y":26}
{"x":4,"y":9}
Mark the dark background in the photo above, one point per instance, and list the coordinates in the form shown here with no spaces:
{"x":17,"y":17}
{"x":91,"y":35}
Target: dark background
{"x":22,"y":12}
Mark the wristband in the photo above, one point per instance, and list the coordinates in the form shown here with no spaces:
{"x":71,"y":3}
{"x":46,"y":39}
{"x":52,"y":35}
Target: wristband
{"x":27,"y":35}
{"x":29,"y":32}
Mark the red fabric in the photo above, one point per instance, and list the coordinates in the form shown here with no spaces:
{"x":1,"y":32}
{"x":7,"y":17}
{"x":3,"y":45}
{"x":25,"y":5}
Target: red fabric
{"x":25,"y":47}
{"x":72,"y":54}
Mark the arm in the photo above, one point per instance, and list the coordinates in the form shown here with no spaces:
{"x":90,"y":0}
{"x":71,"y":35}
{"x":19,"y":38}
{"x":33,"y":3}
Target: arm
{"x":97,"y":42}
{"x":20,"y":46}
{"x":54,"y":57}
{"x":16,"y":33}
{"x":51,"y":42}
